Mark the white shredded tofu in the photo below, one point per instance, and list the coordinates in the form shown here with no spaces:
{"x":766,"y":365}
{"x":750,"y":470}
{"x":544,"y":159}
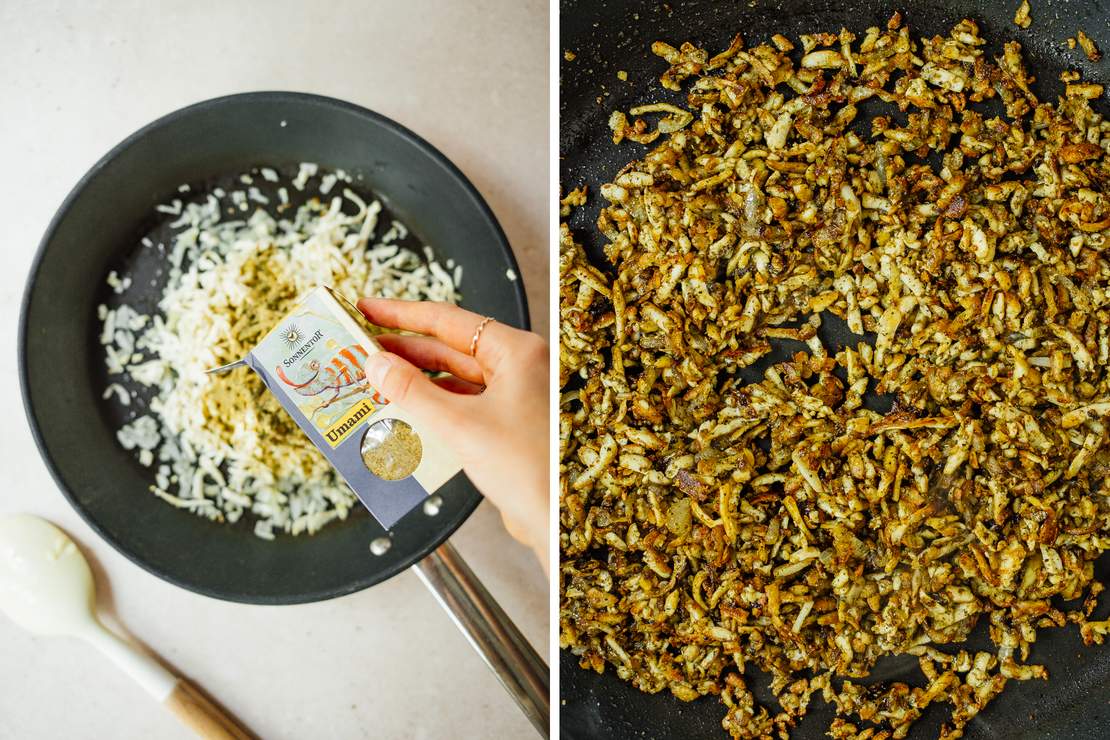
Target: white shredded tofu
{"x":396,"y":231}
{"x":117,"y":284}
{"x":173,"y":209}
{"x":306,"y":171}
{"x":119,"y":392}
{"x":511,"y":274}
{"x":140,"y":434}
{"x":222,"y":447}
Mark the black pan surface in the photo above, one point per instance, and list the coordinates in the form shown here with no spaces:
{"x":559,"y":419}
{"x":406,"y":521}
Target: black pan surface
{"x":99,"y":227}
{"x":607,"y":36}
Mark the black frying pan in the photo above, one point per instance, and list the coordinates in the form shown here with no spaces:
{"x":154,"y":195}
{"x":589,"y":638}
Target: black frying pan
{"x":99,"y":227}
{"x":616,"y":35}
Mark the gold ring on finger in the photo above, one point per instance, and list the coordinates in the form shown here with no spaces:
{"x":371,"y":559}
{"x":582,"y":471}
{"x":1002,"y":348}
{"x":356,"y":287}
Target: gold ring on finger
{"x":478,"y":335}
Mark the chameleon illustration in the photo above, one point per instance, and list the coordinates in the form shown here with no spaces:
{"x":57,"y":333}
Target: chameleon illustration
{"x":338,"y":378}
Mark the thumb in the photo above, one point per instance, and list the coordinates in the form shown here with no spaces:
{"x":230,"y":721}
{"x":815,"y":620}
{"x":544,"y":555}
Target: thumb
{"x":404,"y":384}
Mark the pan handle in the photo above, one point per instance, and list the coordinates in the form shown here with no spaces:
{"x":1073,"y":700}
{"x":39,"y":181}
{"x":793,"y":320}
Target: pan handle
{"x":489,"y":630}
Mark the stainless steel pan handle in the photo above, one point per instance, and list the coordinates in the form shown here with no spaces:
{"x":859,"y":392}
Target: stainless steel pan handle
{"x":489,"y":630}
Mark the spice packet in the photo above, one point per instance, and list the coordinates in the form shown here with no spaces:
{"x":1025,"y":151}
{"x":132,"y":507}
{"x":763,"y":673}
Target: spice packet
{"x":313,"y":361}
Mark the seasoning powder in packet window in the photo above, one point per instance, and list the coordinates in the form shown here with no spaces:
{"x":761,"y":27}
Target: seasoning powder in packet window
{"x":313,"y":362}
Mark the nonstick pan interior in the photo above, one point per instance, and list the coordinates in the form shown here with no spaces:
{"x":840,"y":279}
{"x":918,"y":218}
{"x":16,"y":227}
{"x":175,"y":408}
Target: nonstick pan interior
{"x":615,"y":35}
{"x":99,"y":227}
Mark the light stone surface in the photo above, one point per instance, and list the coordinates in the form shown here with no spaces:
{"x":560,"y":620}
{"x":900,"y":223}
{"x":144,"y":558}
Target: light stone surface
{"x":77,"y":78}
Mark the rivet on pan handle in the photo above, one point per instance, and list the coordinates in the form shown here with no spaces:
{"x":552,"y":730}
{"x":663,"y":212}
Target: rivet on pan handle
{"x":489,"y":630}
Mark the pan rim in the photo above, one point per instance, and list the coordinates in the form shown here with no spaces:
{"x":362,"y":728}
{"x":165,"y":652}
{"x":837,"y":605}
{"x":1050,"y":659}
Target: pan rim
{"x":269,"y":96}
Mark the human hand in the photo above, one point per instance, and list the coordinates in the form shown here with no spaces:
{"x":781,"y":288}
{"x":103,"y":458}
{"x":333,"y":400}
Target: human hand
{"x":500,"y":433}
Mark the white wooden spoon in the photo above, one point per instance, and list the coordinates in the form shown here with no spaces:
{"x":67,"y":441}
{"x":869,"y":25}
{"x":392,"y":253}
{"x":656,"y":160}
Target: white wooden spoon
{"x":46,"y":587}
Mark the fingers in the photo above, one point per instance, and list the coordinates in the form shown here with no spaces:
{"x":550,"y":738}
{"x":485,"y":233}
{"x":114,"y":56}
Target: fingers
{"x":453,"y":325}
{"x":405,"y":385}
{"x":458,"y":385}
{"x":432,"y":354}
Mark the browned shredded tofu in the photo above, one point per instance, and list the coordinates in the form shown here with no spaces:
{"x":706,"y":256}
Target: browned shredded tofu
{"x":1022,"y":17}
{"x":712,"y":523}
{"x":1088,"y":46}
{"x":573,"y":199}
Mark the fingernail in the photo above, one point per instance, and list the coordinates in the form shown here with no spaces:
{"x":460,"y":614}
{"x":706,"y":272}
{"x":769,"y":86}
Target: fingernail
{"x":377,"y":367}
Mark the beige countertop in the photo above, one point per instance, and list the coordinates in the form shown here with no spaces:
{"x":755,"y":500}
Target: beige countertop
{"x":79,"y":77}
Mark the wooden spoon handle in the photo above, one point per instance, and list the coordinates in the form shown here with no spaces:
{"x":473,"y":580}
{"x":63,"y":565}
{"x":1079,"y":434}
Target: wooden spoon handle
{"x":202,"y":716}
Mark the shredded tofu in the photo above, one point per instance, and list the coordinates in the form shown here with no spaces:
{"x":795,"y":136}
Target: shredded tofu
{"x":307,"y":170}
{"x":222,"y":446}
